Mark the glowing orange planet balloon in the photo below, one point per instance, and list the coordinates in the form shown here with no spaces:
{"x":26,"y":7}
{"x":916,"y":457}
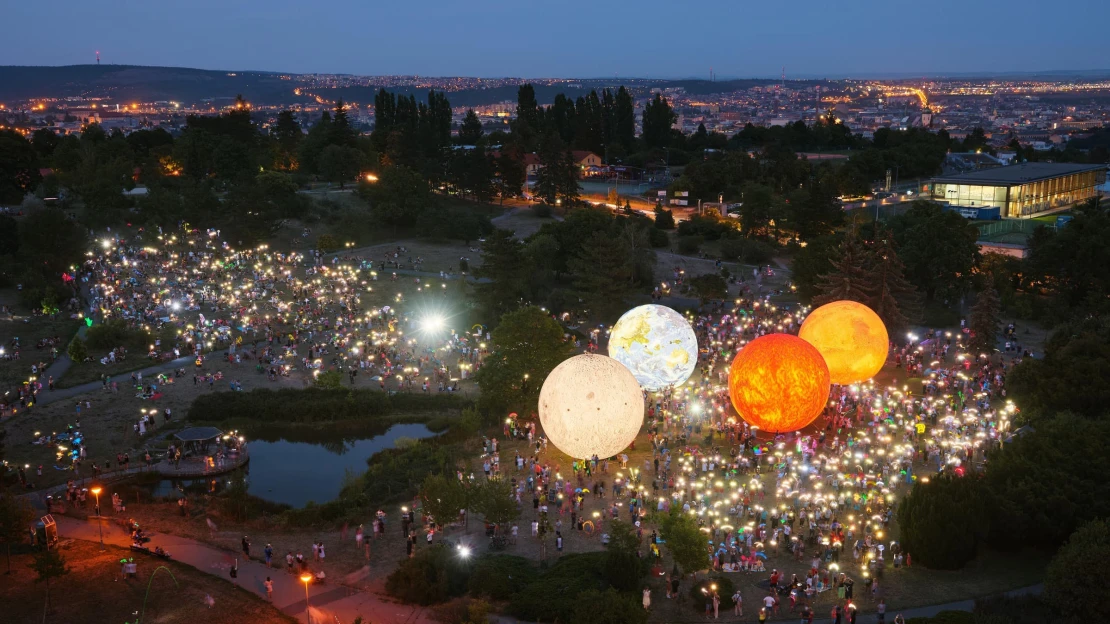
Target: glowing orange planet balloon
{"x":779,"y":382}
{"x":851,"y":337}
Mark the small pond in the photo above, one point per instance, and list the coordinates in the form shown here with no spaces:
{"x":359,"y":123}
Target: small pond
{"x":295,"y":473}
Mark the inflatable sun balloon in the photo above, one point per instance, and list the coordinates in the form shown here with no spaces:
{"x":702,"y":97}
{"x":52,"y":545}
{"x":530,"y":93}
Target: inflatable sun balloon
{"x":657,"y":344}
{"x":591,"y":405}
{"x":778,"y":383}
{"x":851,"y":337}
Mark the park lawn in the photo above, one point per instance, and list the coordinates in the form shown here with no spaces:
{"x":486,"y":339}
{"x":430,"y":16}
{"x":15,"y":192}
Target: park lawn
{"x":345,"y":563}
{"x":94,"y":592}
{"x":990,"y":574}
{"x":84,"y":372}
{"x":521,"y":221}
{"x":108,"y":423}
{"x":29,"y":329}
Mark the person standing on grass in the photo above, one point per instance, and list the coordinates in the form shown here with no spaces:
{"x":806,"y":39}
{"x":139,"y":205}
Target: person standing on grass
{"x":246,"y":548}
{"x":268,"y":552}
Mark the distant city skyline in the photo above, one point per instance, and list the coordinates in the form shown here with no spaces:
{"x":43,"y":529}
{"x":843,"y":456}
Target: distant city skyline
{"x":648,"y":38}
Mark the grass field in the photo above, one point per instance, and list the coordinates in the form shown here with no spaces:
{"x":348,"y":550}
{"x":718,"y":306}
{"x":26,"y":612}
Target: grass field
{"x":93,"y":591}
{"x":29,"y":328}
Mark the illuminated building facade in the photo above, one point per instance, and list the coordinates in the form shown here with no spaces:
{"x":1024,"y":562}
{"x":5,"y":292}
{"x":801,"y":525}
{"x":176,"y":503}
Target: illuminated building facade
{"x":1021,"y":191}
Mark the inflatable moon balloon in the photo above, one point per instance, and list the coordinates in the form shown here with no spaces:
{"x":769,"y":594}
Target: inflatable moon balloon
{"x":778,"y":383}
{"x":657,"y":344}
{"x":591,"y":405}
{"x":851,"y":337}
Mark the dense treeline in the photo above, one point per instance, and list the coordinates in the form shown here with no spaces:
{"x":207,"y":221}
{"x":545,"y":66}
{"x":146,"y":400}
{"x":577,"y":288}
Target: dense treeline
{"x":1047,"y":481}
{"x":315,"y":405}
{"x":590,"y":262}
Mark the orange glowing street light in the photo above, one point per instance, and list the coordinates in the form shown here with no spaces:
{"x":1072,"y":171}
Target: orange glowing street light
{"x":306,"y":579}
{"x":99,"y":525}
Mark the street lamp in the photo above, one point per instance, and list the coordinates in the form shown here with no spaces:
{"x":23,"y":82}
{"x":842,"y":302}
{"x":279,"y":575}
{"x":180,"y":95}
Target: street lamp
{"x":99,"y":524}
{"x":306,"y":579}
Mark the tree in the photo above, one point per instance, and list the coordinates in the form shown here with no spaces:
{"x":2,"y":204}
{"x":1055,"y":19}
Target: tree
{"x":16,"y":516}
{"x":939,"y":249}
{"x":943,"y":521}
{"x":443,"y":498}
{"x":608,"y":607}
{"x":812,"y":262}
{"x":398,"y":197}
{"x":558,"y":178}
{"x":503,"y":274}
{"x":849,"y":278}
{"x":78,"y":350}
{"x":602,"y":273}
{"x":761,"y":207}
{"x":664,"y":219}
{"x":329,"y":380}
{"x":9,"y":236}
{"x":510,"y":175}
{"x":893,"y":298}
{"x":45,"y":141}
{"x":528,"y":110}
{"x":1073,"y":375}
{"x":340,"y":164}
{"x":48,"y":564}
{"x":658,"y":119}
{"x":709,"y":286}
{"x":624,"y":120}
{"x":236,"y":499}
{"x":525,"y":347}
{"x":814,"y":211}
{"x":685,"y":540}
{"x":287,"y":132}
{"x":52,"y":242}
{"x":984,"y":322}
{"x":1068,"y":263}
{"x":493,"y":498}
{"x":624,"y":568}
{"x":1044,"y":484}
{"x":471,"y":172}
{"x":470,"y":132}
{"x":1076,"y":579}
{"x":341,"y":133}
{"x":19,"y":167}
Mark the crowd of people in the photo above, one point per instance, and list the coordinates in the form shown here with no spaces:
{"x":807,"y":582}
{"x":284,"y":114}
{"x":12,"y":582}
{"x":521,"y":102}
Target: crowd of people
{"x":819,"y":501}
{"x":217,"y":309}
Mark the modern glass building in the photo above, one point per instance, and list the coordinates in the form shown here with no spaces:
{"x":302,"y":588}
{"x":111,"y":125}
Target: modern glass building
{"x":1021,"y":191}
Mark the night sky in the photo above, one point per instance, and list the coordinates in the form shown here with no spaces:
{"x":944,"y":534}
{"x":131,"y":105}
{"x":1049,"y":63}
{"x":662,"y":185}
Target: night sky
{"x":544,"y":38}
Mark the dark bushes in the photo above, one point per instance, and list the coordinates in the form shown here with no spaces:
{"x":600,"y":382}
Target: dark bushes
{"x":314,"y":405}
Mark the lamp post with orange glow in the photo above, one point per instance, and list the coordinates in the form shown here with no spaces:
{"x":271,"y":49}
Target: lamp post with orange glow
{"x":99,"y":524}
{"x":306,"y":579}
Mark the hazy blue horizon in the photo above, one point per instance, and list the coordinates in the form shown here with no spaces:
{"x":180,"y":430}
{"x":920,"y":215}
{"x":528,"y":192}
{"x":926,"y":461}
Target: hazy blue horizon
{"x":648,"y":38}
{"x":1097,"y":72}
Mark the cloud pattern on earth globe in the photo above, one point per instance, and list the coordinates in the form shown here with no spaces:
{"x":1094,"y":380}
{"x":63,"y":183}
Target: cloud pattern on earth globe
{"x":657,"y":344}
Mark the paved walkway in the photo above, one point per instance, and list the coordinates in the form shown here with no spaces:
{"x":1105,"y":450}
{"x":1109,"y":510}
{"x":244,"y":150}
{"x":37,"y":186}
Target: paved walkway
{"x":335,"y":601}
{"x":46,"y":397}
{"x":327,"y":602}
